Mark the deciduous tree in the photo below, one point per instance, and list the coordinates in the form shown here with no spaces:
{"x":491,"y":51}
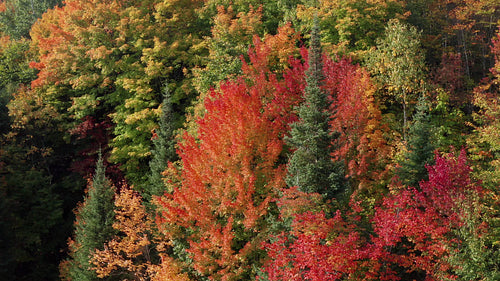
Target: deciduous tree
{"x":398,"y":64}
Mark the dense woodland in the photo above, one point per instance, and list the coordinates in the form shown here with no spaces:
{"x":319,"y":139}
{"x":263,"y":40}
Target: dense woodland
{"x":249,"y":140}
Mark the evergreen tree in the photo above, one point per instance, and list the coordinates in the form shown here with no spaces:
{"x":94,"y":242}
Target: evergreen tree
{"x":420,"y":149}
{"x":311,"y":167}
{"x":163,"y":149}
{"x":94,"y":226}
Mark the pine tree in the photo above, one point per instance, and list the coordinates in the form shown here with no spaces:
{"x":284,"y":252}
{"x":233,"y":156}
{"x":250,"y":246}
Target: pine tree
{"x":311,"y":167}
{"x":94,"y":226}
{"x":163,"y":149}
{"x":420,"y":149}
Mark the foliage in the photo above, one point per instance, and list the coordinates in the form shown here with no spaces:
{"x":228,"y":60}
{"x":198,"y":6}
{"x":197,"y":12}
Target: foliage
{"x":232,"y":171}
{"x":90,"y":75}
{"x":350,"y":27}
{"x":32,"y":223}
{"x":14,"y":71}
{"x":93,"y":227}
{"x":414,"y":227}
{"x":362,"y":143}
{"x":232,"y":32}
{"x":398,"y":64}
{"x":17,"y":16}
{"x":111,"y":59}
{"x":223,"y":204}
{"x":310,"y":166}
{"x":484,"y":143}
{"x":163,"y":150}
{"x":135,"y":252}
{"x":419,"y":148}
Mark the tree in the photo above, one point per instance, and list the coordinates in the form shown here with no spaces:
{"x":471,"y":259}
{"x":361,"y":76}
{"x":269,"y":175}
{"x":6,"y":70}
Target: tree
{"x":33,"y":222}
{"x":232,"y":33}
{"x":163,"y":149}
{"x":232,"y":169}
{"x":350,"y":27}
{"x":14,"y":71}
{"x":109,"y":59}
{"x":310,"y":166}
{"x":419,"y":148}
{"x":398,"y":64}
{"x":228,"y":179}
{"x":137,"y":251}
{"x":415,"y":227}
{"x":318,"y":246}
{"x":93,"y":227}
{"x":485,"y":141}
{"x":17,"y":16}
{"x":362,"y":143}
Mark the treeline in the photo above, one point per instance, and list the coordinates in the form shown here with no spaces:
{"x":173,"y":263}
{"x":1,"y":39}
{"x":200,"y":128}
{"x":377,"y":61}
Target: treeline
{"x":249,"y":140}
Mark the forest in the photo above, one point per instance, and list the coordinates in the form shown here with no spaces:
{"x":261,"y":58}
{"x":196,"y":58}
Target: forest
{"x":240,"y":140}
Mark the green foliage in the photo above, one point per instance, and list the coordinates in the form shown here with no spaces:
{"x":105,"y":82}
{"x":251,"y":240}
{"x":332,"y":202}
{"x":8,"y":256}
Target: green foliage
{"x":398,"y":64}
{"x":14,"y":70}
{"x":93,"y":226}
{"x":350,"y":27}
{"x":449,"y":123}
{"x":477,"y":255}
{"x":20,"y":15}
{"x":311,"y":167}
{"x":31,"y":224}
{"x":232,"y":33}
{"x":163,"y":149}
{"x":419,"y":147}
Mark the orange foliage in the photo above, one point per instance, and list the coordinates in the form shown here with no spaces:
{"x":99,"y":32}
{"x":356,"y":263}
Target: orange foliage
{"x":132,"y":252}
{"x":229,"y":179}
{"x":356,"y":116}
{"x":231,"y":172}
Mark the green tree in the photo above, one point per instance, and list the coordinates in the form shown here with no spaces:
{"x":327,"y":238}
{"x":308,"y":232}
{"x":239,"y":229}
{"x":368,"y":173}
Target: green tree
{"x":93,"y":226}
{"x":398,"y":64}
{"x":14,"y":70}
{"x":19,"y":15}
{"x":163,"y":149}
{"x":349,"y":27}
{"x":31,"y":221}
{"x":310,"y":166}
{"x":232,"y":33}
{"x":419,"y":147}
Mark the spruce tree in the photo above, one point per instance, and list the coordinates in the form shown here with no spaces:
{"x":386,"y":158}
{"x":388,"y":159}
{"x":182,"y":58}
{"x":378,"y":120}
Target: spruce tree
{"x":420,"y":149}
{"x":311,"y":167}
{"x":163,"y":149}
{"x":94,"y":226}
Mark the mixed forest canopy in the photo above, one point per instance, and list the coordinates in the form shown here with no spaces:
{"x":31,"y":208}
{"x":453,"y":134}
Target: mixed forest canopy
{"x":249,"y":140}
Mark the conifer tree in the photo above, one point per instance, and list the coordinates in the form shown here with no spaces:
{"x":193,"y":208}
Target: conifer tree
{"x":94,"y":226}
{"x":311,"y":167}
{"x":163,"y":148}
{"x":420,"y":150}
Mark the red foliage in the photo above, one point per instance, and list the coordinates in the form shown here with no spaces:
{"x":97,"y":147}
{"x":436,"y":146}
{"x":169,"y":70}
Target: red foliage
{"x":419,"y":222}
{"x":413,"y":231}
{"x":356,"y":116}
{"x":97,"y":135}
{"x":319,"y":249}
{"x":229,"y":178}
{"x":450,"y":76}
{"x":230,"y":169}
